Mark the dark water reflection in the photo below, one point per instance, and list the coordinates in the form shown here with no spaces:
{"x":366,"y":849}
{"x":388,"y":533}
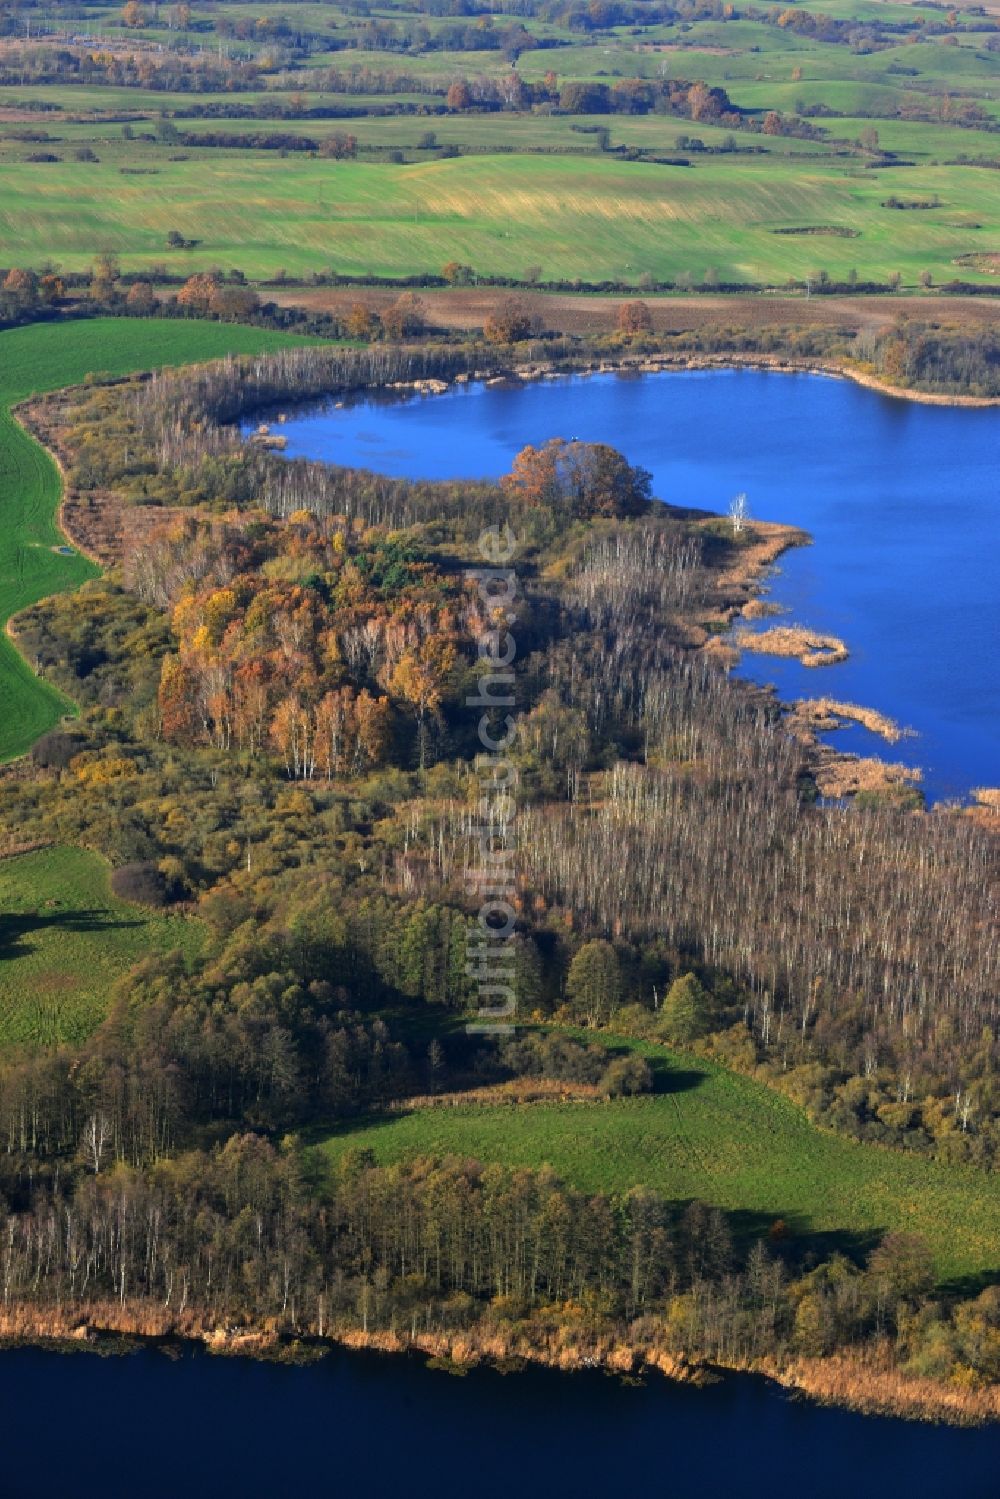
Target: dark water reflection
{"x":358,"y":1425}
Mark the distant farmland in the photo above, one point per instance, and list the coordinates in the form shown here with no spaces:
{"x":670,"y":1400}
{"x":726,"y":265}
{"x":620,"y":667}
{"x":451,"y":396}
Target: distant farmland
{"x":734,"y":217}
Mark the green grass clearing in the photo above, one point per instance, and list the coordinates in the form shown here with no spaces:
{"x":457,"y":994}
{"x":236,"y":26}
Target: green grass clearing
{"x":65,"y":940}
{"x":729,"y":1140}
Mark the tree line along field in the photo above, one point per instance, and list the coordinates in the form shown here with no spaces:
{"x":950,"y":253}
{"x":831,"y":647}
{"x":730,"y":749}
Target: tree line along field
{"x":712,"y":1134}
{"x":831,"y":126}
{"x":64,"y":941}
{"x":42,"y":358}
{"x":704,"y":1133}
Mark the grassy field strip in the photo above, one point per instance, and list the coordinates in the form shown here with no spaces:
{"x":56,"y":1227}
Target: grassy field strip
{"x":729,"y":1140}
{"x":65,"y":939}
{"x":29,"y":570}
{"x":581,"y":216}
{"x":48,"y":357}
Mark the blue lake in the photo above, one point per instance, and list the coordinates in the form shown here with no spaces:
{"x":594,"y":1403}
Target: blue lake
{"x":356,"y":1425}
{"x":902,"y":501}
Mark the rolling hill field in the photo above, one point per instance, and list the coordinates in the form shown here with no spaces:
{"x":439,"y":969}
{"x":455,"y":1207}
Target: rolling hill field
{"x":823,"y":115}
{"x":737,"y":217}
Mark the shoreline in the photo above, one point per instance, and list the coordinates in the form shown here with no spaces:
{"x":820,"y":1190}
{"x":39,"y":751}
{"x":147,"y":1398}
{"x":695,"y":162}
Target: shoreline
{"x":582,"y":365}
{"x":863,"y":1380}
{"x":852,"y":1379}
{"x":908,"y":393}
{"x":833,"y":369}
{"x":841,"y":772}
{"x":678,"y":362}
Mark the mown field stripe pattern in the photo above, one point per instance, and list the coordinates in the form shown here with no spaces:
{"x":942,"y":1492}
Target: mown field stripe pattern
{"x":572,"y":216}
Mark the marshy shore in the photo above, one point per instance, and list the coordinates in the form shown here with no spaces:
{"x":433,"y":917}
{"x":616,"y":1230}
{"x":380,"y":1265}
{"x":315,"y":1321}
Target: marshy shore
{"x":865,"y":1380}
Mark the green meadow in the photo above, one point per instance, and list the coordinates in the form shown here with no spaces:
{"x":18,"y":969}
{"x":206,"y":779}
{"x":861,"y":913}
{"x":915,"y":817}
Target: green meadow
{"x":587,"y":217}
{"x":65,"y":940}
{"x":42,"y":358}
{"x":725,"y":1139}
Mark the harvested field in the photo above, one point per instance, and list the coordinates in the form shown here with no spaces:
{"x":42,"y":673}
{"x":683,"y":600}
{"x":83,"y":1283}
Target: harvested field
{"x":468,"y":307}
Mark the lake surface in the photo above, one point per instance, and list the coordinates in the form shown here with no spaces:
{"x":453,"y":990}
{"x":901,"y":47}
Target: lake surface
{"x":902,"y":500}
{"x":357,"y":1425}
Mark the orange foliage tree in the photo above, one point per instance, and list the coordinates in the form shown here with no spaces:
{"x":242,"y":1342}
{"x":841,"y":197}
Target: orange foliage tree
{"x":633,"y":318}
{"x":510,"y":321}
{"x":198,"y":290}
{"x":583,"y":479}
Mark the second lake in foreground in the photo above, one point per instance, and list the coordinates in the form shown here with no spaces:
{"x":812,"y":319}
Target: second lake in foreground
{"x":362,"y":1427}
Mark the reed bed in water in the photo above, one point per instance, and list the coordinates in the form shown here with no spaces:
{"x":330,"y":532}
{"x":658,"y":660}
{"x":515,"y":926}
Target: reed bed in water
{"x":829,"y":713}
{"x":839,"y":775}
{"x":863,"y":1379}
{"x":869,"y":1380}
{"x":807,"y":646}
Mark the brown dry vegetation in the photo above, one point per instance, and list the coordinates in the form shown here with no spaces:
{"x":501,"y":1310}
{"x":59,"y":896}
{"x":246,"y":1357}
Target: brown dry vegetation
{"x":869,"y":1381}
{"x":807,"y":646}
{"x":560,"y":1346}
{"x":986,"y":809}
{"x":517,"y":1090}
{"x":839,"y":775}
{"x":763,"y":542}
{"x":761,"y":609}
{"x":866,"y":1380}
{"x":826,"y":713}
{"x":96,"y":521}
